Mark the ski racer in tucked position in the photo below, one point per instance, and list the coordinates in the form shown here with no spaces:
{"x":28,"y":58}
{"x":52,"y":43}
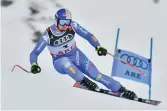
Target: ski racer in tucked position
{"x":68,"y":59}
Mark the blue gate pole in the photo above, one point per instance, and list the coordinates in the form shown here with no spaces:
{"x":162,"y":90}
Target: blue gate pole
{"x":116,"y":43}
{"x":151,"y":47}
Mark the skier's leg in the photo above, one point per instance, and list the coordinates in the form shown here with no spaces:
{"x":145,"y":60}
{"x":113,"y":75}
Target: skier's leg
{"x":96,"y":75}
{"x":87,"y":67}
{"x":65,"y":66}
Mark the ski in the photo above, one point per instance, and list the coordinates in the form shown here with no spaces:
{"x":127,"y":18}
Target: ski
{"x":108,"y":92}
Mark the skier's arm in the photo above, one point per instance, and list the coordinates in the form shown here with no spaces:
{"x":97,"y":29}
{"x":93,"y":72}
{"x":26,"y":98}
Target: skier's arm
{"x":41,"y":44}
{"x":85,"y":34}
{"x":90,"y":37}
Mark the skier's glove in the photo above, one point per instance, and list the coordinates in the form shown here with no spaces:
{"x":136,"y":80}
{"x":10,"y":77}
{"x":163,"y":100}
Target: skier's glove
{"x":101,"y":51}
{"x":35,"y":68}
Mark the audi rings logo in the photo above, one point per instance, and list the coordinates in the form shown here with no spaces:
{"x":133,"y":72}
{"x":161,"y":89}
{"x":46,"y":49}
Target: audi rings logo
{"x":134,"y":61}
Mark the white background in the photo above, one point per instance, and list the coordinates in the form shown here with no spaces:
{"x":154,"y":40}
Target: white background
{"x":138,"y":20}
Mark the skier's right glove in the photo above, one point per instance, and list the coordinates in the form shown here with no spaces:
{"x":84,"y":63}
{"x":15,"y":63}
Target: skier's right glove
{"x":35,"y":68}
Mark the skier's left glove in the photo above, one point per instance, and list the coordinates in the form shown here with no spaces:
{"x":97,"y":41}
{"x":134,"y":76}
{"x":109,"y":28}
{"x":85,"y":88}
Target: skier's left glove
{"x":101,"y":51}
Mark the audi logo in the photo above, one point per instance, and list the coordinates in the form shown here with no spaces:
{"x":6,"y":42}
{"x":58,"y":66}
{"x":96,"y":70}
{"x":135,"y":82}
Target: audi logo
{"x":134,"y":61}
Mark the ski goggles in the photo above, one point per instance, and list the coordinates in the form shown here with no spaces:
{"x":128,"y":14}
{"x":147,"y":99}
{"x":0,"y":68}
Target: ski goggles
{"x":64,"y":22}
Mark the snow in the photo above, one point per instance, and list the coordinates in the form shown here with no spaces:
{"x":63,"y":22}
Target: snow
{"x":138,"y":21}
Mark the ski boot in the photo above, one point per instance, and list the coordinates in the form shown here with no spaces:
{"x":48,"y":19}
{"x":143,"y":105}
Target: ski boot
{"x":127,"y":93}
{"x":88,"y":84}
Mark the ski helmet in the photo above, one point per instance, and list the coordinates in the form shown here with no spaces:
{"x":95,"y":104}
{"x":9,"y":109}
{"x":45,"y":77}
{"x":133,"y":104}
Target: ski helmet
{"x":63,"y":14}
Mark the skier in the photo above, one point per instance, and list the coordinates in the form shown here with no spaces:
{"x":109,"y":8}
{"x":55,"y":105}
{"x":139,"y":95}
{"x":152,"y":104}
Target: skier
{"x":68,"y":59}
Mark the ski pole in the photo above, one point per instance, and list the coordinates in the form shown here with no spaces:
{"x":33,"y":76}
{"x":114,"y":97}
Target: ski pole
{"x":128,"y":64}
{"x":20,"y":68}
